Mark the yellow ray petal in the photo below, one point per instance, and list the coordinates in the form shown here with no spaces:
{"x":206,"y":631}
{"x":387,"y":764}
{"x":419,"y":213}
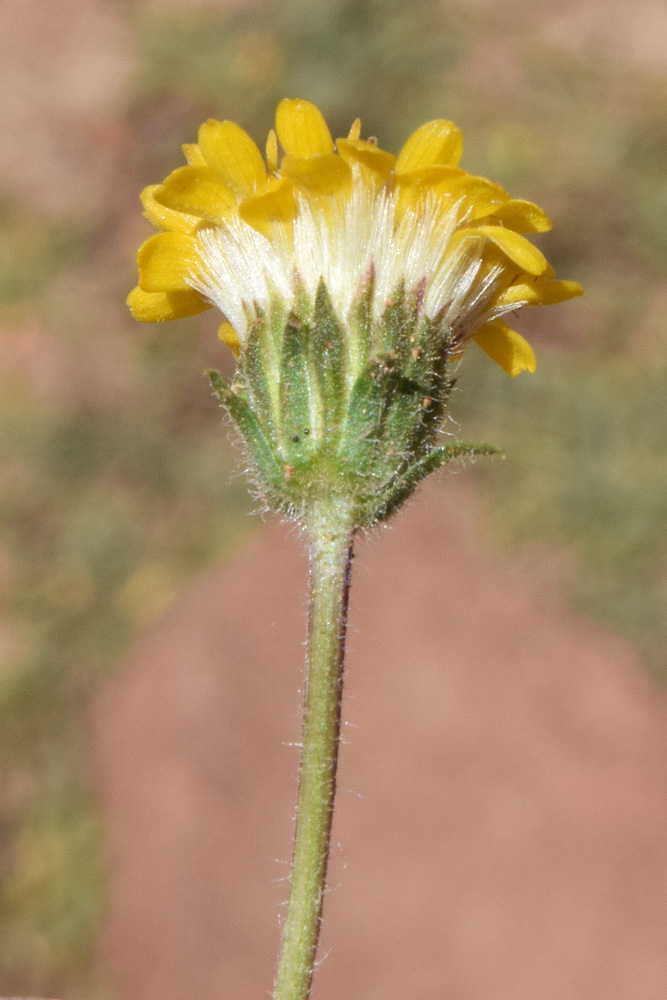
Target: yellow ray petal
{"x":516,"y":247}
{"x":193,"y":154}
{"x":413,"y":186}
{"x":323,"y":174}
{"x":275,"y":202}
{"x":198,"y":192}
{"x":166,"y":261}
{"x":478,"y":196}
{"x":161,"y":216}
{"x":232,"y":154}
{"x":302,"y":129}
{"x":538,"y":292}
{"x":229,"y":336}
{"x":506,"y":347}
{"x":436,"y":142}
{"x":428,"y":177}
{"x":155,"y":307}
{"x":522,"y":216}
{"x":366,"y":154}
{"x":272,"y":150}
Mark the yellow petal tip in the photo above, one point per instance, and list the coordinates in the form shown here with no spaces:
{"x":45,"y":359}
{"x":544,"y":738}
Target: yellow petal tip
{"x":506,"y":347}
{"x":302,"y":129}
{"x":230,"y":337}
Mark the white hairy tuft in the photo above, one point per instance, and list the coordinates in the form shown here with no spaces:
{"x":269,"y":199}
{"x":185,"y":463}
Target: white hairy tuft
{"x":240,"y":268}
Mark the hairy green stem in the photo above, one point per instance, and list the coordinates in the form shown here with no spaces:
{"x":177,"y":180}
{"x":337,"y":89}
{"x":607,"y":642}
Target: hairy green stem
{"x":331,"y":532}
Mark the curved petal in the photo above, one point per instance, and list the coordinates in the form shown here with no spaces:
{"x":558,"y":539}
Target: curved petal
{"x":436,"y":142}
{"x":156,"y":307}
{"x":506,"y":347}
{"x":522,"y":216}
{"x":161,"y":216}
{"x":323,"y":174}
{"x":478,"y":196}
{"x":367,"y":155}
{"x":355,"y":130}
{"x":517,"y":248}
{"x":412,"y":187}
{"x":232,"y":155}
{"x":198,"y":192}
{"x":537,"y":292}
{"x":428,"y":177}
{"x":302,"y":129}
{"x":166,"y":261}
{"x":275,"y":203}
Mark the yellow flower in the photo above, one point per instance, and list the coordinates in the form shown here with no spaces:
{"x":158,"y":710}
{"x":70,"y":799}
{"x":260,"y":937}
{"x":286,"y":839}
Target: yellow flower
{"x":239,"y":230}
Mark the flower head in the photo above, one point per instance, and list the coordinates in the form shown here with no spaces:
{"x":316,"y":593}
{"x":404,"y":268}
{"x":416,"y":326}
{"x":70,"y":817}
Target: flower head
{"x":349,"y":280}
{"x":238,"y":231}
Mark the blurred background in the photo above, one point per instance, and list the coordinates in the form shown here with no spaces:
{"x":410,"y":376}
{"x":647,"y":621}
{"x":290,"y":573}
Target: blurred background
{"x":509,"y":635}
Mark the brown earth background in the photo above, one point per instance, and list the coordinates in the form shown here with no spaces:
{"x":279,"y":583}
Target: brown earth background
{"x":500,"y":826}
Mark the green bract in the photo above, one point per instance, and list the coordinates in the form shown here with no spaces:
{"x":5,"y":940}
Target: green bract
{"x":353,"y":410}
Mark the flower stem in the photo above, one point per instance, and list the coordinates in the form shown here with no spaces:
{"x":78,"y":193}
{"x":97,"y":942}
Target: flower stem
{"x":331,"y":532}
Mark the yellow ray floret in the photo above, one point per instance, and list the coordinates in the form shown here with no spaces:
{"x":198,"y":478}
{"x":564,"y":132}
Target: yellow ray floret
{"x":163,"y":217}
{"x":232,"y":155}
{"x":319,"y":174}
{"x":507,"y":347}
{"x":229,"y":336}
{"x":166,"y":261}
{"x":522,"y":216}
{"x":235,"y":230}
{"x":155,"y":307}
{"x":302,"y":129}
{"x":376,"y":163}
{"x":435,"y":143}
{"x":196,"y":191}
{"x":519,"y":250}
{"x":273,"y":204}
{"x":537,"y":292}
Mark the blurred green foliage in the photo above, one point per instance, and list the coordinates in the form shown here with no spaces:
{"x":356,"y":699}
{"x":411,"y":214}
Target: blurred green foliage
{"x":32,"y":252}
{"x":585,"y":475}
{"x":115,"y":486}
